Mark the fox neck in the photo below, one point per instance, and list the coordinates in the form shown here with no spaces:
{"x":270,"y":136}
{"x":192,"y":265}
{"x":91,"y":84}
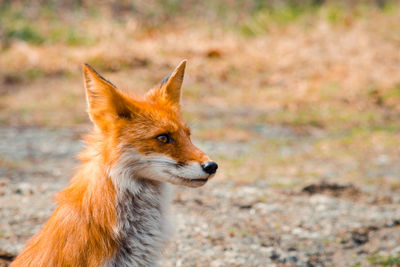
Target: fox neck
{"x":142,"y":213}
{"x":141,"y":205}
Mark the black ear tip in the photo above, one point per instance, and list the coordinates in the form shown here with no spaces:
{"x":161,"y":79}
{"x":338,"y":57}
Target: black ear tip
{"x":87,"y":69}
{"x":86,"y":65}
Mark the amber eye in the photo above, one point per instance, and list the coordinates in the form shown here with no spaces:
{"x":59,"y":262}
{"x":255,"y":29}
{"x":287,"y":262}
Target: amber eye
{"x":164,"y":138}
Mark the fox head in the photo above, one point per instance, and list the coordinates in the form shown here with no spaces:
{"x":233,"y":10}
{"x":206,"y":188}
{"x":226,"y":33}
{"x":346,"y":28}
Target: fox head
{"x":145,"y":137}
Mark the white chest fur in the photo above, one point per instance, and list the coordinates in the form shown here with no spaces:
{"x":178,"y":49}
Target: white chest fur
{"x":143,"y":226}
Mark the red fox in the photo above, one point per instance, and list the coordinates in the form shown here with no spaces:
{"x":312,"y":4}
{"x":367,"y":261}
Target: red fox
{"x":114,"y":211}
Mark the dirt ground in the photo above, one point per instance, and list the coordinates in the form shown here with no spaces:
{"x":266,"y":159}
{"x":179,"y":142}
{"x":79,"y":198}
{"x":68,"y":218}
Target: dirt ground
{"x":225,"y":223}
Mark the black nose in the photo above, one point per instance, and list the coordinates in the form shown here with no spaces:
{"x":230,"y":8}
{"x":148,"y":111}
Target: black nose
{"x":210,"y":167}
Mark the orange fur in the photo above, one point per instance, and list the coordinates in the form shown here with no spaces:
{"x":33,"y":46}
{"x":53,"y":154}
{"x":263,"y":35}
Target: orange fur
{"x":80,"y":231}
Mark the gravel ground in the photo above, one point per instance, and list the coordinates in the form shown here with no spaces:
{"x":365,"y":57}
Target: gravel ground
{"x":220,"y":224}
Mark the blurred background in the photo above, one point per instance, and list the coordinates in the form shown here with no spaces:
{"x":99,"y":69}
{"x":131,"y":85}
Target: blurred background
{"x":297,"y":100}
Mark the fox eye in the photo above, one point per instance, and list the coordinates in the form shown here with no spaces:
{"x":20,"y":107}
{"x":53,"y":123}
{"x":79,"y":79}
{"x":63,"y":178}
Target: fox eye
{"x":164,"y":138}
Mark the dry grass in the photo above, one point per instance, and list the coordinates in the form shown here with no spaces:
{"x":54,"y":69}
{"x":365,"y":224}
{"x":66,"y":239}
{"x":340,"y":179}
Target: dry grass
{"x":288,"y":74}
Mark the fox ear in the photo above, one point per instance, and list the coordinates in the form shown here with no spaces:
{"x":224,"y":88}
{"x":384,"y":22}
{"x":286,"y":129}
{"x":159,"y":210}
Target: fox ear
{"x":105,"y":102}
{"x":171,"y":85}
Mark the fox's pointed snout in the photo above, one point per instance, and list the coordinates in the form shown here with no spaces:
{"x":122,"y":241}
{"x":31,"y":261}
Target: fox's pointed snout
{"x":210,"y":167}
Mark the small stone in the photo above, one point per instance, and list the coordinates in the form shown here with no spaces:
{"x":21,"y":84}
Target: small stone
{"x":292,"y":258}
{"x":24,"y":189}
